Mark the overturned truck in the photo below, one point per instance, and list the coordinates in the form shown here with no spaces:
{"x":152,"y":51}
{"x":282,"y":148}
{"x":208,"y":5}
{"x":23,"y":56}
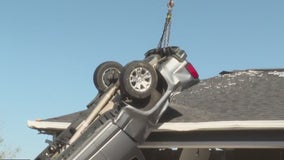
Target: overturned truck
{"x":130,"y":102}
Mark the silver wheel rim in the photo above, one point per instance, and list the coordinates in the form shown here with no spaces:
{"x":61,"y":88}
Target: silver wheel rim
{"x":140,"y":79}
{"x":106,"y":74}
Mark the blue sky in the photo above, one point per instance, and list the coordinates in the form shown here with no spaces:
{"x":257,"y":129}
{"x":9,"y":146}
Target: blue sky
{"x":49,"y":49}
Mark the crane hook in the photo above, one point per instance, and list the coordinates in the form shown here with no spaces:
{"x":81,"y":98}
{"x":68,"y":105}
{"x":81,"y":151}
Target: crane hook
{"x":171,"y":4}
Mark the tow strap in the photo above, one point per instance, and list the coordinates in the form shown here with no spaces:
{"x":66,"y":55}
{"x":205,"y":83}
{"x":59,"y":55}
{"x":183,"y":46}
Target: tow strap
{"x":164,"y":41}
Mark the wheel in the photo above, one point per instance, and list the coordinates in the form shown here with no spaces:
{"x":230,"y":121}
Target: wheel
{"x":138,"y":79}
{"x":146,"y":103}
{"x":106,"y":74}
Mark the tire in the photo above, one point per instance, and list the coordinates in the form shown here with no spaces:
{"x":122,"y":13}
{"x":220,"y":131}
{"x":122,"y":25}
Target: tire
{"x":106,"y":74}
{"x":147,"y":103}
{"x":138,"y":79}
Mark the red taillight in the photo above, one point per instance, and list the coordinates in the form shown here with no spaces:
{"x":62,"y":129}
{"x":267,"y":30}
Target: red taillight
{"x":192,"y":71}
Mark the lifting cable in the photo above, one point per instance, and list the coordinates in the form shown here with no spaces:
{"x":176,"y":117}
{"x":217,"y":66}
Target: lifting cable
{"x":164,"y":41}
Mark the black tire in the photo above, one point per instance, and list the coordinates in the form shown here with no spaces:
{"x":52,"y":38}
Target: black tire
{"x":106,"y":74}
{"x":138,"y":79}
{"x":147,"y":103}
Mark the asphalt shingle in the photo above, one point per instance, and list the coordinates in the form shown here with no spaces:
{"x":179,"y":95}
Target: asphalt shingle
{"x":237,"y":95}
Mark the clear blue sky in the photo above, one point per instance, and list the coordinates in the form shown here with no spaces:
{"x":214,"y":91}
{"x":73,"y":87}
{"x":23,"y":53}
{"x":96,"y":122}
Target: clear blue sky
{"x":49,"y":49}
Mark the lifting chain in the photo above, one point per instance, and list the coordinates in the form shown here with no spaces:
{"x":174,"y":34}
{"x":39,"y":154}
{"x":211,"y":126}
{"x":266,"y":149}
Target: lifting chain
{"x":164,"y":41}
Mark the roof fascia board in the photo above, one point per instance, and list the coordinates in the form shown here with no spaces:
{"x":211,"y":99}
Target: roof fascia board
{"x":222,"y":125}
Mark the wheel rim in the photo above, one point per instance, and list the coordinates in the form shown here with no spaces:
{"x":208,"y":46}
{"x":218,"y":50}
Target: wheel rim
{"x":110,"y":76}
{"x":140,"y":79}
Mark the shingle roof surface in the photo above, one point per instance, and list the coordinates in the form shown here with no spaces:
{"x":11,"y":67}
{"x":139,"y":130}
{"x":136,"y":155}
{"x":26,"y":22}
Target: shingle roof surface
{"x":69,"y":117}
{"x":237,"y":95}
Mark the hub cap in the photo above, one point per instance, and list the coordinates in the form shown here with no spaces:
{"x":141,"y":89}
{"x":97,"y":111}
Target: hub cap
{"x":110,"y":76}
{"x":140,"y":79}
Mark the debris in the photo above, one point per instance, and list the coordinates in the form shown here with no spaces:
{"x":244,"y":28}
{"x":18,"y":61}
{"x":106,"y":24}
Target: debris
{"x":276,"y":73}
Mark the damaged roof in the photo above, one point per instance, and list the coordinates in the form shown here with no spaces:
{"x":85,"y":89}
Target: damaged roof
{"x":238,"y":95}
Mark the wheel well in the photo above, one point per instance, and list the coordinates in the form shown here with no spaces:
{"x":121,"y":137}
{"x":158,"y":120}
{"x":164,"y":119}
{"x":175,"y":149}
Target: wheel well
{"x":162,"y":84}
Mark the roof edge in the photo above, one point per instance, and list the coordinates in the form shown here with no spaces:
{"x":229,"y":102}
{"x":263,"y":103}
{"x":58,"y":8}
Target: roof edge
{"x":222,"y":125}
{"x":253,"y":69}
